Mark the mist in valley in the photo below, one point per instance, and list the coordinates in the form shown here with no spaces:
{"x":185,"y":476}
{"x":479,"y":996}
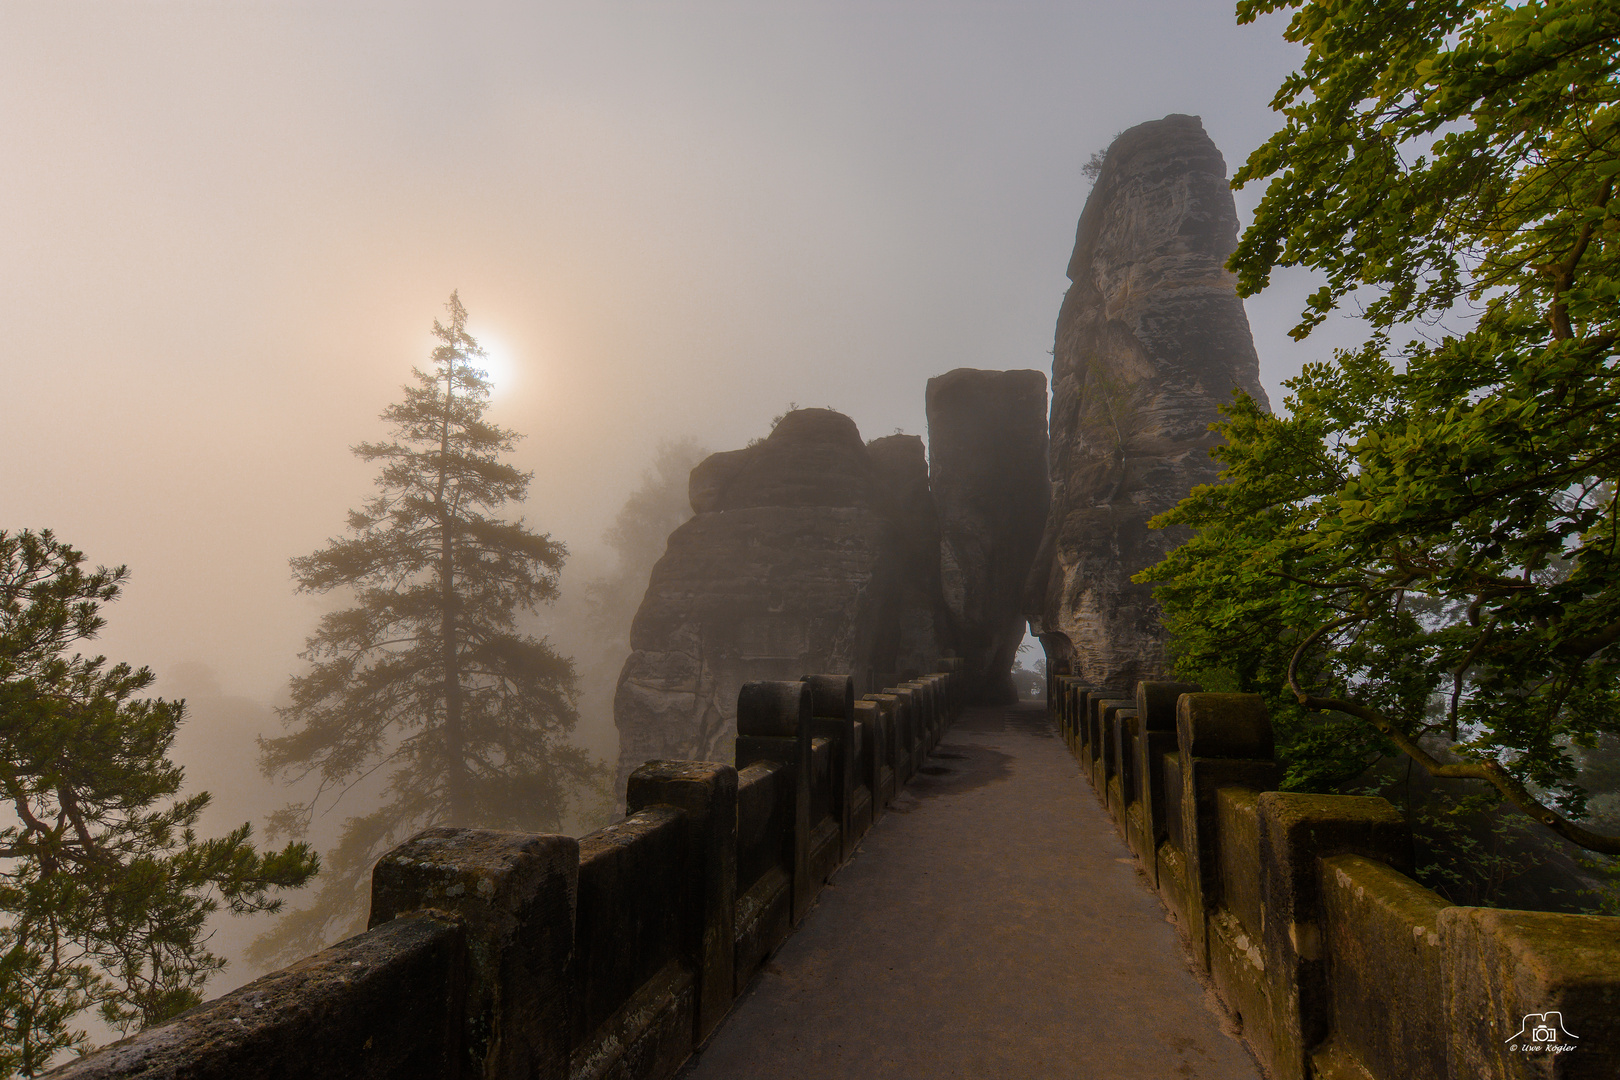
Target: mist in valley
{"x":229,"y":229}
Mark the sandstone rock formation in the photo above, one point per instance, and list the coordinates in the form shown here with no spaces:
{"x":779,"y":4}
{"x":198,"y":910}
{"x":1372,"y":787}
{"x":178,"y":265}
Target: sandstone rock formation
{"x":987,"y":441}
{"x":798,"y":560}
{"x":1151,"y":338}
{"x":915,"y":627}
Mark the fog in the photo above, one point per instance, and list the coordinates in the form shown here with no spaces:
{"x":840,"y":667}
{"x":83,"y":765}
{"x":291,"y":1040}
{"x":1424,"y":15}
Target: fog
{"x":228,"y":229}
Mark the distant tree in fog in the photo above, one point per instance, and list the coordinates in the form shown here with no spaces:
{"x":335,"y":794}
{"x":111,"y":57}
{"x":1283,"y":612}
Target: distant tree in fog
{"x":105,"y":888}
{"x":639,"y":535}
{"x":640,"y":532}
{"x":425,"y":680}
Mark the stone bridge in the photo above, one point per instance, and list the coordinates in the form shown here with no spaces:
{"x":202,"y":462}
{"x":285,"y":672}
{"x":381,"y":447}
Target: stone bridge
{"x":894,"y":871}
{"x":904,"y":886}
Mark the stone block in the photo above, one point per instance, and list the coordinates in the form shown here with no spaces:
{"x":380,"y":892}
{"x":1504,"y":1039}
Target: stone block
{"x":1084,"y":745}
{"x":869,"y":739}
{"x":1097,"y":719}
{"x":898,"y":723}
{"x":1065,"y":692}
{"x":764,"y":911}
{"x":823,"y":793}
{"x":916,"y":724}
{"x":1237,"y":968}
{"x":832,"y":708}
{"x":1084,"y":737}
{"x":773,"y":724}
{"x":1238,"y":827}
{"x":878,"y":750}
{"x":1155,"y":796}
{"x":634,"y":1007}
{"x":1510,"y":973}
{"x":1380,"y":936}
{"x":1296,"y":832}
{"x":1126,"y":728}
{"x":927,"y":720}
{"x":1224,"y":726}
{"x":1170,"y":766}
{"x":515,"y":893}
{"x":1213,"y":733}
{"x":384,"y":1005}
{"x":1157,"y":701}
{"x":1172,"y":870}
{"x":705,"y":793}
{"x":773,"y":709}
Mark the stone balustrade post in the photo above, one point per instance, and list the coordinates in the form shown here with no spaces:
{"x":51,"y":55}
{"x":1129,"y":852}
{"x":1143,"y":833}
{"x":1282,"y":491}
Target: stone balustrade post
{"x":705,"y":793}
{"x":1120,"y":765}
{"x":1079,"y":700}
{"x":1073,"y":710}
{"x":832,"y":717}
{"x":951,"y":668}
{"x":1156,"y":714}
{"x":1295,"y":833}
{"x":899,"y":716}
{"x":886,"y":764}
{"x":874,"y":741}
{"x":1506,"y":969}
{"x":1069,"y":697}
{"x":1096,"y":720}
{"x":936,"y":711}
{"x":515,"y":895}
{"x":923,"y":726}
{"x":773,"y":724}
{"x":915,"y":728}
{"x":1223,"y":740}
{"x":936,"y":706}
{"x":1060,"y":707}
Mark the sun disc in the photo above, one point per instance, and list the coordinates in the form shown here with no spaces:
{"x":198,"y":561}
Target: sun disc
{"x":499,"y":365}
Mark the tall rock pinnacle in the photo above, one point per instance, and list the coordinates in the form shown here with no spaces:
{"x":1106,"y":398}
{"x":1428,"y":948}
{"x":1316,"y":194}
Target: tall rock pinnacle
{"x":1151,"y":338}
{"x":987,"y":450}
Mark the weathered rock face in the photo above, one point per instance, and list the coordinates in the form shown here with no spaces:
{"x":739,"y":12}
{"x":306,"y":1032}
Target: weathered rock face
{"x":795,"y":562}
{"x":1150,"y":340}
{"x":914,"y":630}
{"x":987,"y":440}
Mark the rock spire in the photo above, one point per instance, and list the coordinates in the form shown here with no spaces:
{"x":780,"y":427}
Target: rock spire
{"x":1151,"y":338}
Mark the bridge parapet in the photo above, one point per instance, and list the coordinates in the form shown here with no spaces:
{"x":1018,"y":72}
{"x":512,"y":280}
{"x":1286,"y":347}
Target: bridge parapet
{"x":1334,"y":962}
{"x":495,"y":954}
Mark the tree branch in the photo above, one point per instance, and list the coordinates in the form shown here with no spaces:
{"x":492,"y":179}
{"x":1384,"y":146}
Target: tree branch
{"x":1489,"y":771}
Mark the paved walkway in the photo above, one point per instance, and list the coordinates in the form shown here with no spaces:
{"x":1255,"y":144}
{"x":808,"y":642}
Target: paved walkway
{"x":991,"y":926}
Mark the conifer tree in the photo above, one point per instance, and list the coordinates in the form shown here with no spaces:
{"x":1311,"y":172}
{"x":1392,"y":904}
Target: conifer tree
{"x":105,"y":888}
{"x":426,"y":678}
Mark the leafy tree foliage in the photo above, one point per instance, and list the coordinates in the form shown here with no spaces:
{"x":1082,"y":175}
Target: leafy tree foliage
{"x":425,"y":680}
{"x":104,"y":885}
{"x":1425,"y":551}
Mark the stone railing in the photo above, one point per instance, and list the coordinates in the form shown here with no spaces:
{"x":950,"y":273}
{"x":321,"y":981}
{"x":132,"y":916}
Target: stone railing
{"x":543,"y":957}
{"x":1334,"y":962}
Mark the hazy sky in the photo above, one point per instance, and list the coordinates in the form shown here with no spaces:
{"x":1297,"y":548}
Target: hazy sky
{"x":227,"y":228}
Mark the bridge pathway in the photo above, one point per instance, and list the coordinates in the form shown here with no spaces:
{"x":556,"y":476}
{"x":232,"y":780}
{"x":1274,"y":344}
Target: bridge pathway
{"x":992,"y":925}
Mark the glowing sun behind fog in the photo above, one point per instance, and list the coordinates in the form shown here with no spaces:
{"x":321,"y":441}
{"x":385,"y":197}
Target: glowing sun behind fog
{"x":502,"y":369}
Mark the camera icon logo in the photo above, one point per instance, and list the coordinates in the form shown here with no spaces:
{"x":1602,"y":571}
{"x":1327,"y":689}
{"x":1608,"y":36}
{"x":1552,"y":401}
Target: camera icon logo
{"x":1541,"y":1031}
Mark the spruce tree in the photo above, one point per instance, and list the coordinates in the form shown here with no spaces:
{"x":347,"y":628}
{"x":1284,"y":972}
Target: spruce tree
{"x":426,"y":678}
